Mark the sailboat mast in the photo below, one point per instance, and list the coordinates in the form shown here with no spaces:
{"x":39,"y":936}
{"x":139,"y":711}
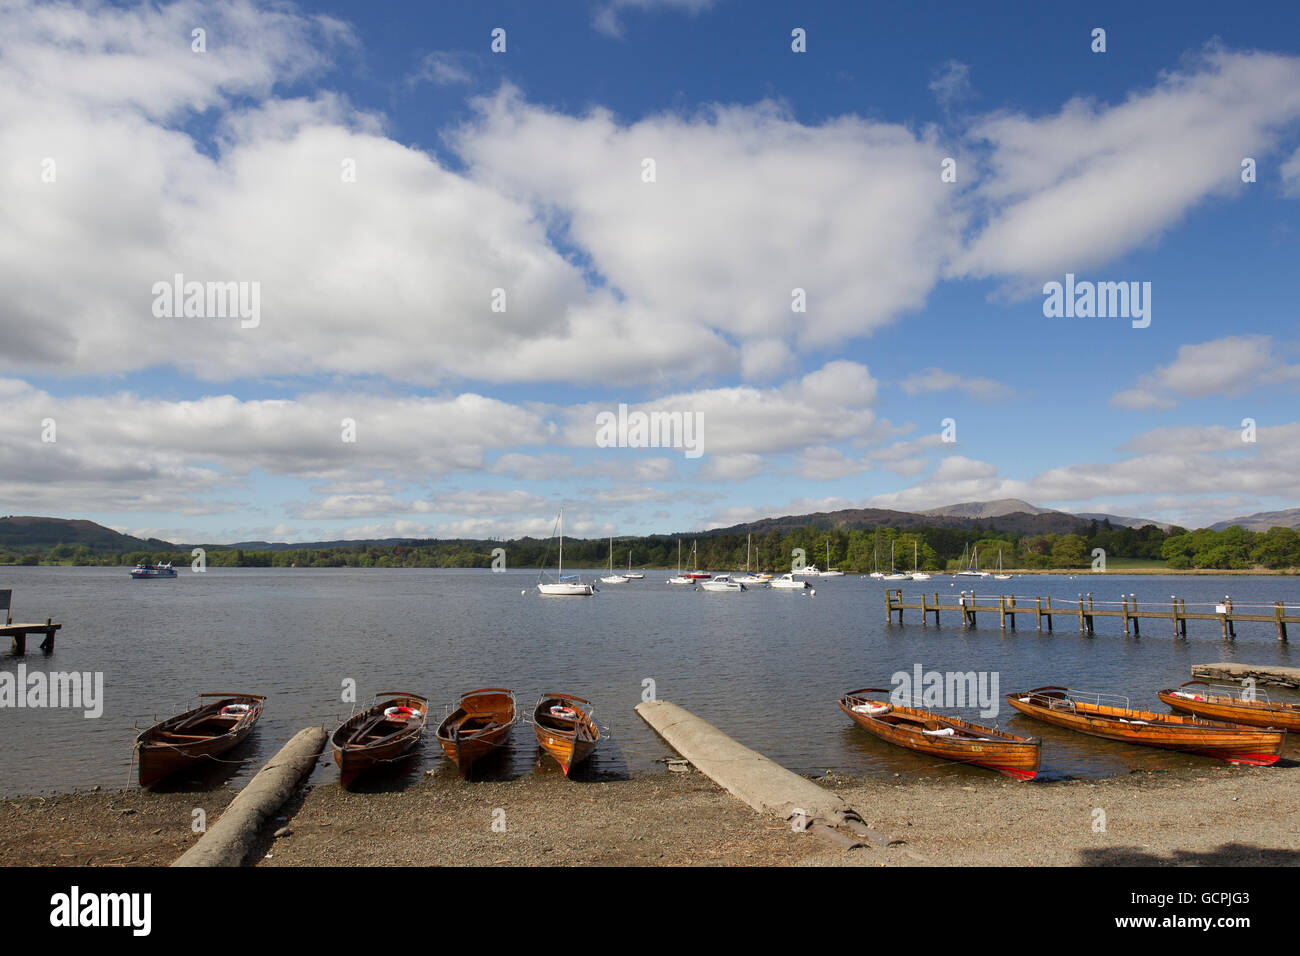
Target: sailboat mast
{"x":561,"y":542}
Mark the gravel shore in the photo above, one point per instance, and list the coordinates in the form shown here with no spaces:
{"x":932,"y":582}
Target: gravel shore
{"x":1210,"y":814}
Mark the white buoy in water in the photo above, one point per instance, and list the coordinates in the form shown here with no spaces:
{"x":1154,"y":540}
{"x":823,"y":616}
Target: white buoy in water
{"x":521,"y":593}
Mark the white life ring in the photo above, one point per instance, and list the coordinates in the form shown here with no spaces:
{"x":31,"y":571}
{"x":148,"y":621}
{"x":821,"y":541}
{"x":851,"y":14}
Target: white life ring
{"x":235,"y":710}
{"x":872,"y":709}
{"x":558,"y":710}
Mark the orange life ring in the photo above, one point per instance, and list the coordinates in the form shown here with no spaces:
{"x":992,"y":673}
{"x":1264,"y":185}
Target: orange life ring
{"x":402,"y":713}
{"x":569,"y":713}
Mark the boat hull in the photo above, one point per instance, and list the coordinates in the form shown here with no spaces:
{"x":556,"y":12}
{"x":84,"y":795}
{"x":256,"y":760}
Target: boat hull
{"x":164,"y":749}
{"x":971,"y":743}
{"x":478,"y":727}
{"x":569,"y":741}
{"x":1234,"y":710}
{"x":1186,"y":734}
{"x":371,"y":739}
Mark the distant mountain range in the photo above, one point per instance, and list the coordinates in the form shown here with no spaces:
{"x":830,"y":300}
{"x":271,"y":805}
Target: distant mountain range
{"x":1263,"y":520}
{"x":25,"y":534}
{"x":1010,"y":515}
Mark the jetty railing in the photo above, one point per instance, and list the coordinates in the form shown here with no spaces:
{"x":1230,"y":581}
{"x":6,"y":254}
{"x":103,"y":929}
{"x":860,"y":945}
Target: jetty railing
{"x":1086,"y":610}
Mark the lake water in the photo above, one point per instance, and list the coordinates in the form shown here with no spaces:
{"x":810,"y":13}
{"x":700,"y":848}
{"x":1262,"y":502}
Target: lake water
{"x":764,"y":666}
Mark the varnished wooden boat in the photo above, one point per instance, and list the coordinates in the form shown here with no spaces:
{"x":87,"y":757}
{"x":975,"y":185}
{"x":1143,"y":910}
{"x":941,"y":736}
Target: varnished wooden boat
{"x":385,"y":731}
{"x":565,"y":729}
{"x":940,"y":736}
{"x":198,"y":734}
{"x":1232,"y":708}
{"x":479,"y":725}
{"x":1086,"y":714}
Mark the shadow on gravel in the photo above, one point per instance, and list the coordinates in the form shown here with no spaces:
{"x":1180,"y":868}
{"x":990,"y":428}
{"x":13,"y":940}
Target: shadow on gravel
{"x":1229,"y":854}
{"x":211,"y":773}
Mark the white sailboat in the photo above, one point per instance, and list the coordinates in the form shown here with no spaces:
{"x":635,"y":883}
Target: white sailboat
{"x":830,"y":572}
{"x":749,"y":577}
{"x":629,"y":573}
{"x":917,"y":573}
{"x":1001,"y":575}
{"x":894,"y":574}
{"x":572,"y":585}
{"x":680,"y":578}
{"x":613,"y":578}
{"x":875,"y":562}
{"x":971,"y":570}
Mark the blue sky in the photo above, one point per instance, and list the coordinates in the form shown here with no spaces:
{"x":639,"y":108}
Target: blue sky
{"x":524,"y":170}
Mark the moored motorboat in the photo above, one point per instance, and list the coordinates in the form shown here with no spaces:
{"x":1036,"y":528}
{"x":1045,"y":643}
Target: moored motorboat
{"x":478,"y":726}
{"x":722,"y":582}
{"x":202,"y":733}
{"x":1087,"y":714}
{"x":382,"y":733}
{"x":785,"y":582}
{"x":938,"y":736}
{"x":1220,"y":703}
{"x":565,"y":729}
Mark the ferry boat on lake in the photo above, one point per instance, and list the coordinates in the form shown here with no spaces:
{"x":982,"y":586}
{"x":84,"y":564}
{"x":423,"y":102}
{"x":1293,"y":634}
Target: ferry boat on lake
{"x":153,"y":571}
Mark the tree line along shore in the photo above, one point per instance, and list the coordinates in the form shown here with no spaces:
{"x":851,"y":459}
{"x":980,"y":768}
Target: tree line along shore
{"x":1148,"y":549}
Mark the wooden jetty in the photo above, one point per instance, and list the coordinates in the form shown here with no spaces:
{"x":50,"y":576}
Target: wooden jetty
{"x":1007,"y":606}
{"x":19,"y":632}
{"x":1274,"y":674}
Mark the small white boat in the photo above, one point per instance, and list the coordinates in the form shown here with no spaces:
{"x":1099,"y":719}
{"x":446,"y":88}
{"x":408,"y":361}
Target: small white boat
{"x":830,"y":572}
{"x":565,"y":585}
{"x":680,"y":578}
{"x":808,"y":572}
{"x":787,"y":581}
{"x":971,"y":570}
{"x":746,"y":576}
{"x":629,"y":573}
{"x":894,"y":574}
{"x":875,"y":564}
{"x":1001,"y":575}
{"x":917,"y":573}
{"x":722,"y":582}
{"x":613,"y":578}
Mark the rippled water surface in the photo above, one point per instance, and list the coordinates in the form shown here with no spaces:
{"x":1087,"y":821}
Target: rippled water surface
{"x":764,"y":666}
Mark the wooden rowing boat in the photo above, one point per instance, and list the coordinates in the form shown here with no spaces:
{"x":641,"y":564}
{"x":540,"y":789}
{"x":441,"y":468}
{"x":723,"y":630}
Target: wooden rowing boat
{"x":479,"y":725}
{"x":565,"y":729}
{"x":198,"y":734}
{"x":939,"y":736}
{"x":1087,"y":714}
{"x":382,"y":733}
{"x":1232,"y":708}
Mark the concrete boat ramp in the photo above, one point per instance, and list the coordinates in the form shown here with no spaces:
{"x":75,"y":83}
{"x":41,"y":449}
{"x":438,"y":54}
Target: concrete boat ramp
{"x":766,"y":786}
